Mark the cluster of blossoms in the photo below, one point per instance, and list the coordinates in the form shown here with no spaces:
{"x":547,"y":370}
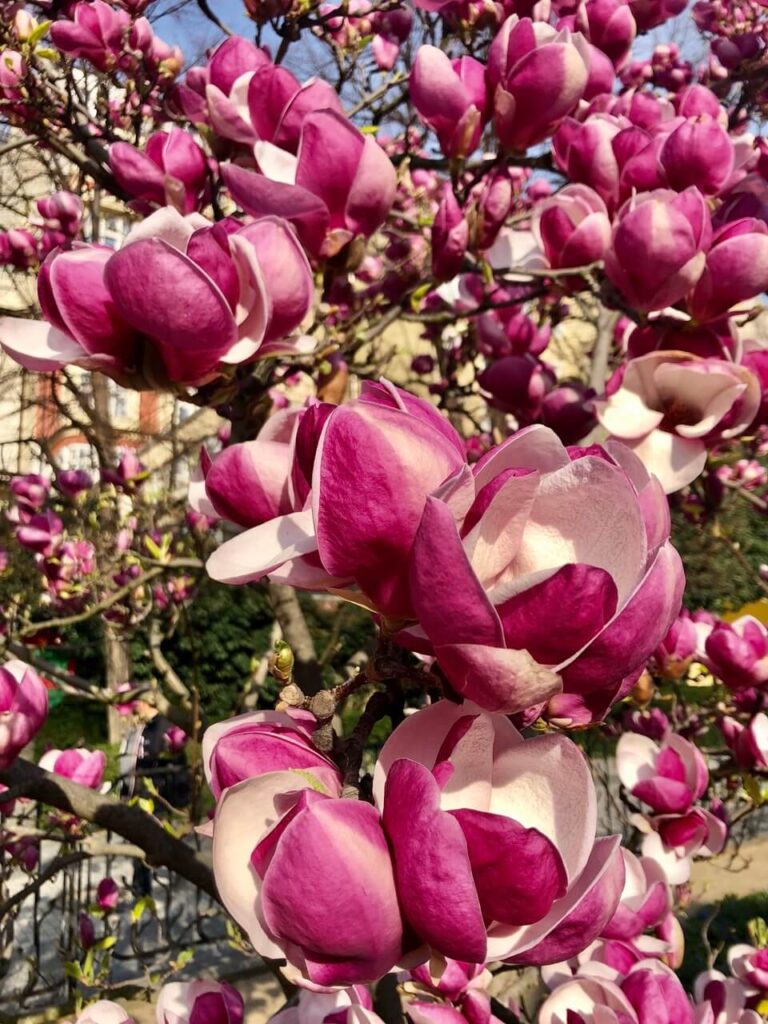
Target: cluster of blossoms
{"x":59,"y":222}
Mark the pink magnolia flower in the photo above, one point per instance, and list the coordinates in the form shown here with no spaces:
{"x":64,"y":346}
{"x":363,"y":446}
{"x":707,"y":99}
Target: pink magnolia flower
{"x":481,"y":565}
{"x":170,"y":170}
{"x":43,"y":533}
{"x":669,"y":777}
{"x":73,"y":482}
{"x":750,"y":966}
{"x":585,"y":151}
{"x":451,"y":97}
{"x":199,"y":1002}
{"x":737,"y":653}
{"x":96,"y":32}
{"x":721,"y":1000}
{"x":318,"y":1005}
{"x":341,"y":183}
{"x":670,"y":407}
{"x":612,"y":28}
{"x":749,"y":743}
{"x":450,"y":236}
{"x":652,"y":723}
{"x":537,"y":76}
{"x":657,"y":253}
{"x":23,"y":708}
{"x":247,"y":746}
{"x":650,"y":993}
{"x":735,"y":269}
{"x":572,"y":227}
{"x":30,"y":491}
{"x":86,"y":930}
{"x":291,"y":860}
{"x":104,"y":1011}
{"x":180,"y":299}
{"x":698,"y":152}
{"x":677,"y":650}
{"x":493,"y":838}
{"x":175,"y":738}
{"x":78,"y":764}
{"x":62,"y":212}
{"x":644,"y":902}
{"x":107,"y":894}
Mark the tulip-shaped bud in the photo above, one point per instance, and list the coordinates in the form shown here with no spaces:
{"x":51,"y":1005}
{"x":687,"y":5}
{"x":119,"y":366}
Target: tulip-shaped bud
{"x":537,"y":75}
{"x":62,"y":211}
{"x":247,"y":746}
{"x":289,"y":859}
{"x":569,"y":410}
{"x":20,"y":248}
{"x":30,"y":491}
{"x":96,"y":33}
{"x":699,"y":101}
{"x":107,"y":894}
{"x":518,"y":385}
{"x":670,"y":777}
{"x":23,"y":708}
{"x":572,"y":227}
{"x":78,"y":764}
{"x":450,"y":96}
{"x":42,"y":534}
{"x":171,"y":170}
{"x":450,"y":234}
{"x":23,"y":25}
{"x":86,"y":931}
{"x":128,"y":475}
{"x":199,"y":1002}
{"x":493,"y":205}
{"x":584,"y":151}
{"x":391,"y":29}
{"x":73,"y":482}
{"x":736,"y":269}
{"x":699,"y":152}
{"x":737,"y":653}
{"x":612,"y":28}
{"x":652,"y":723}
{"x":656,"y":254}
{"x":749,"y":744}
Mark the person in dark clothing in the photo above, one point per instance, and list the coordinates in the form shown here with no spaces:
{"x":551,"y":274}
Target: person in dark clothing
{"x":148,"y":754}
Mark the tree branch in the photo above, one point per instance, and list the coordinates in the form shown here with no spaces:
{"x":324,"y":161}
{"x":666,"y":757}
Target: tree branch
{"x":142,"y":829}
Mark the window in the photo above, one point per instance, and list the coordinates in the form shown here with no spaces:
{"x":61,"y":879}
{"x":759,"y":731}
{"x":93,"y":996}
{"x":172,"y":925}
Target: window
{"x":77,"y":455}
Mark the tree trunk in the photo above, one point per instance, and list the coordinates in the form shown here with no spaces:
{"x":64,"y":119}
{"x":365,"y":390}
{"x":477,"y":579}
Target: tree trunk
{"x":117,"y":659}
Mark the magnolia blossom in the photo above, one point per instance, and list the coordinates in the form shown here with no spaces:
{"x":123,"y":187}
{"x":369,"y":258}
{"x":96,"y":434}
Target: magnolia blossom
{"x":650,"y":993}
{"x":170,"y":170}
{"x":291,"y":860}
{"x":644,"y":902}
{"x":749,"y":743}
{"x":318,"y":1005}
{"x":23,"y":708}
{"x":676,"y":651}
{"x":750,"y":966}
{"x":451,"y":97}
{"x":78,"y":764}
{"x":722,"y":1000}
{"x":572,"y":228}
{"x":340,"y":184}
{"x":670,"y":777}
{"x":194,"y":1002}
{"x":537,"y":75}
{"x":104,"y":1011}
{"x":537,"y":575}
{"x":179,"y":299}
{"x":246,"y":746}
{"x":658,"y":247}
{"x":737,"y":653}
{"x":107,"y":894}
{"x":493,"y":838}
{"x":670,"y":407}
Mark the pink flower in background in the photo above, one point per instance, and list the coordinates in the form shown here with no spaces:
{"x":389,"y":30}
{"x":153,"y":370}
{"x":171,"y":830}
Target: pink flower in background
{"x":318,"y":1005}
{"x":104,"y":1011}
{"x":671,"y":407}
{"x":722,"y":1000}
{"x":450,"y":96}
{"x":749,"y":743}
{"x":107,"y":894}
{"x":199,"y":1002}
{"x":670,"y":777}
{"x":78,"y":764}
{"x":750,"y":966}
{"x":23,"y":708}
{"x":97,"y":33}
{"x":737,"y":653}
